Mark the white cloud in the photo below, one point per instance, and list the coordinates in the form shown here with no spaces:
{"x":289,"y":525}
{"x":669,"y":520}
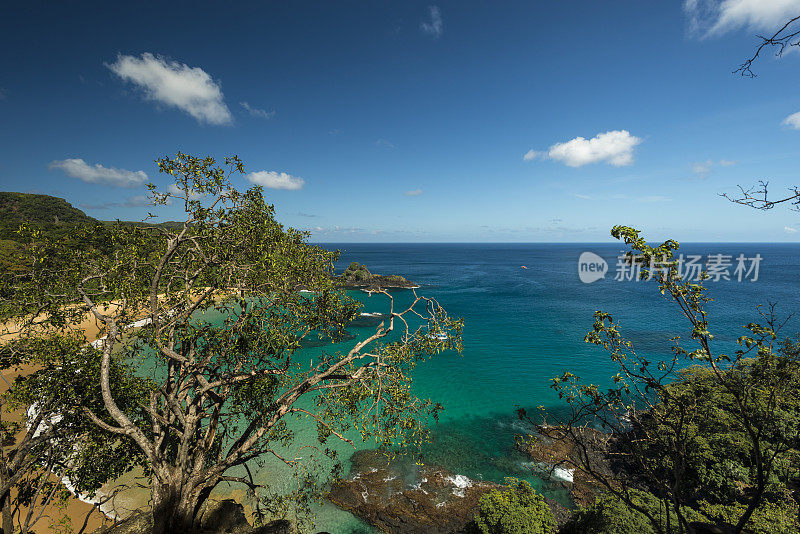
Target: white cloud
{"x":715,"y":17}
{"x":384,"y":142}
{"x":276,"y":180}
{"x":792,"y":121}
{"x":137,"y":201}
{"x":581,"y":196}
{"x":533,"y":154}
{"x":703,"y":168}
{"x":433,"y":26}
{"x":178,"y":192}
{"x":256,"y":112}
{"x":131,"y":202}
{"x":790,"y":230}
{"x":97,"y":174}
{"x":413,"y":193}
{"x":614,"y":147}
{"x":338,"y":230}
{"x":175,"y":84}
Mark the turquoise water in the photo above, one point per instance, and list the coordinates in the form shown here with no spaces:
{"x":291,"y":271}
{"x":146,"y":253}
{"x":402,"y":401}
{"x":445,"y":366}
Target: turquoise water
{"x":525,"y":326}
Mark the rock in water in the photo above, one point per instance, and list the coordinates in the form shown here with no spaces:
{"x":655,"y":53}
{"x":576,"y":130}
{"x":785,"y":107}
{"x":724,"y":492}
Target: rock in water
{"x":358,"y":276}
{"x":551,"y":447}
{"x":400,"y":496}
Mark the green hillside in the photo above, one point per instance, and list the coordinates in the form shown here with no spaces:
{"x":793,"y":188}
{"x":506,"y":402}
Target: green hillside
{"x":16,"y":208}
{"x":50,"y":215}
{"x":53,"y":217}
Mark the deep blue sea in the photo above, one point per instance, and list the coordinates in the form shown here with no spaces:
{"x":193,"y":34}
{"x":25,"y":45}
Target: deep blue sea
{"x":525,"y":326}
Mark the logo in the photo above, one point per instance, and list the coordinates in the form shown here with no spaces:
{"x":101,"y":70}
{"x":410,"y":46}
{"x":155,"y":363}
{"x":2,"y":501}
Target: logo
{"x":591,"y":267}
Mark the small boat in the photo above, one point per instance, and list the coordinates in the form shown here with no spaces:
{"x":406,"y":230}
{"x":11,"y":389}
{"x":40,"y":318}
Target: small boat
{"x":441,"y":336}
{"x":523,"y":267}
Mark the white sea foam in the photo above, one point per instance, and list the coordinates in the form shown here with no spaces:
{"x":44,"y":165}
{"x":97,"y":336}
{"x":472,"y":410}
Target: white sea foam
{"x":460,"y":481}
{"x":556,"y":473}
{"x":418,"y":487}
{"x":461,"y":484}
{"x":522,"y":426}
{"x":140,"y":323}
{"x":372,"y":314}
{"x":33,"y":411}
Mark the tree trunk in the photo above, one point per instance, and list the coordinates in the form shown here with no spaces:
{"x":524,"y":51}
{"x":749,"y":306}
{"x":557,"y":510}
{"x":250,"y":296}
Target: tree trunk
{"x":173,"y":510}
{"x":8,"y":524}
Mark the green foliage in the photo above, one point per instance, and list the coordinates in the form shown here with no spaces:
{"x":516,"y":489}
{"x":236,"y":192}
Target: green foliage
{"x":356,"y":272}
{"x":769,"y":518}
{"x":65,"y":383}
{"x":515,"y":509}
{"x":27,"y":218}
{"x":610,"y":515}
{"x":717,"y":462}
{"x":10,"y":256}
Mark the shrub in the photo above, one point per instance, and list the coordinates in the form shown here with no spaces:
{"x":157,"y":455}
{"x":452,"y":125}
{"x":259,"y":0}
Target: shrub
{"x":609,"y":515}
{"x":769,"y":518}
{"x":515,"y":509}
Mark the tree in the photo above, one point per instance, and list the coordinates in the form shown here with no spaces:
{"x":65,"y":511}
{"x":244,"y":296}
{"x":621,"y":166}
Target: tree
{"x":515,"y":509}
{"x":223,"y":389}
{"x":657,"y":418}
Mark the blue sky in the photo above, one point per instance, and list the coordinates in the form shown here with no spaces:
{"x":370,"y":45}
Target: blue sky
{"x":411,"y":121}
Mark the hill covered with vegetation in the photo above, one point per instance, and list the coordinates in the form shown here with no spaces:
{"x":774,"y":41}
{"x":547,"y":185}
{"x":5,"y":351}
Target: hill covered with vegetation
{"x":52,"y":217}
{"x":41,"y":211}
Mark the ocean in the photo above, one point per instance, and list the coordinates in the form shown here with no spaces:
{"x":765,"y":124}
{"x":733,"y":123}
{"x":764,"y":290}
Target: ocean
{"x":524,"y":326}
